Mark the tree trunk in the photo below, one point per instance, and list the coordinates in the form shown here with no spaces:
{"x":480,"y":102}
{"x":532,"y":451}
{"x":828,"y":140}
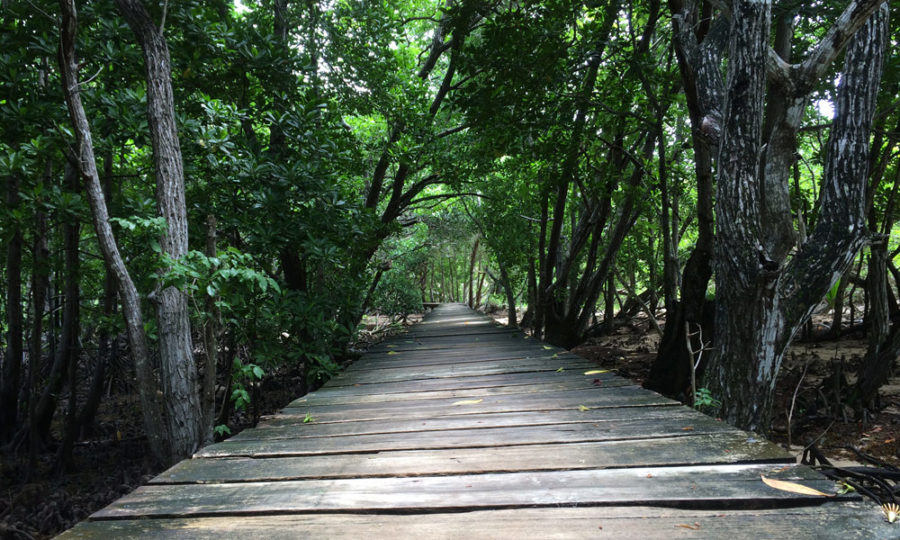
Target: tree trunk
{"x":878,"y":364}
{"x":472,"y":273}
{"x":70,"y":347}
{"x":131,"y":308}
{"x":39,"y":285}
{"x":15,"y":347}
{"x":763,"y":298}
{"x":510,"y":296}
{"x":699,"y":67}
{"x":211,"y":335}
{"x":184,"y":429}
{"x":104,"y":349}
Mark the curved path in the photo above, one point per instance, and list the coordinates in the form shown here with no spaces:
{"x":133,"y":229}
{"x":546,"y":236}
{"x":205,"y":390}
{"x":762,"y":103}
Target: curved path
{"x":461,"y":428}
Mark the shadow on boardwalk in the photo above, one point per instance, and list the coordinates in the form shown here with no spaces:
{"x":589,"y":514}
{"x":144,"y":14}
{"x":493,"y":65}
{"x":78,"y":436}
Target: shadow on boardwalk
{"x":465,"y":429}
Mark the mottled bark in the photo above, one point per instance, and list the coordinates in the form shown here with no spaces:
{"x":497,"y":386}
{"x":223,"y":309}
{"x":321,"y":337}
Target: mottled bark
{"x":131,"y":308}
{"x":761,"y":301}
{"x":184,"y":429}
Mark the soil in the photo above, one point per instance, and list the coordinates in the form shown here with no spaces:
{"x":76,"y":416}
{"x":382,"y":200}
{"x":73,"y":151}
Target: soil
{"x":807,"y":373}
{"x":115,"y":459}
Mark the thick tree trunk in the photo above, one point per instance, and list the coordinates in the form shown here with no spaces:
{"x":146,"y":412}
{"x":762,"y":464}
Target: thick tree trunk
{"x":131,"y":308}
{"x":762,"y":298}
{"x":185,"y":431}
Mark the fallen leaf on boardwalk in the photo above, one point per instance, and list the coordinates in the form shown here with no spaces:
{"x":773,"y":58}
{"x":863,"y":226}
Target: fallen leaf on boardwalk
{"x":687,"y":428}
{"x":469,"y":401}
{"x":596,"y":371}
{"x":694,"y":527}
{"x":793,"y":487}
{"x":392,"y":352}
{"x":598,"y":382}
{"x":547,"y":347}
{"x":391,"y":346}
{"x":560,"y":370}
{"x":582,"y":408}
{"x":888,"y":441}
{"x":649,"y":475}
{"x":555,"y":356}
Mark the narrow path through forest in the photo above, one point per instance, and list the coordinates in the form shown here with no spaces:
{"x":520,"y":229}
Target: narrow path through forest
{"x":462,"y":428}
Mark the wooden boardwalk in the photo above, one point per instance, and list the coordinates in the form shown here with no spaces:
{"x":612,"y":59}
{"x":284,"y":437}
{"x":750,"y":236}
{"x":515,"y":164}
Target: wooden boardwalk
{"x":465,"y":429}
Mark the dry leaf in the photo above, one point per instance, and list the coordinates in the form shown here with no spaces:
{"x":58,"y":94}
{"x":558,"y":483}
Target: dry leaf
{"x":687,"y":428}
{"x":469,"y":402}
{"x":793,"y":487}
{"x":694,"y":527}
{"x":596,"y":371}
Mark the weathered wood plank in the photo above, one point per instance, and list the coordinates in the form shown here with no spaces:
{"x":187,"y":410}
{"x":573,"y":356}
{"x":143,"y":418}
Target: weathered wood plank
{"x":717,"y":486}
{"x":529,"y":365}
{"x":830,"y":521}
{"x":465,"y":387}
{"x":431,"y":358}
{"x":289,"y":428}
{"x":462,"y":438}
{"x":625,"y":396}
{"x":713,"y":448}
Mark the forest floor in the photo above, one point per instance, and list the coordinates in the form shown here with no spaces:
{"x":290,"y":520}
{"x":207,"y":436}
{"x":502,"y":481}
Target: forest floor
{"x":810,"y":371}
{"x":114,"y":460}
{"x":38,"y":501}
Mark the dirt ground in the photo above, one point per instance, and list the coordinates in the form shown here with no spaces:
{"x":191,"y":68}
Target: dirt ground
{"x":813,"y":415}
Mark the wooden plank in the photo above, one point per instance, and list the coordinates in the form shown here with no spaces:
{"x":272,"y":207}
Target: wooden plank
{"x":718,"y":486}
{"x":288,"y":427}
{"x":466,"y":382}
{"x":466,"y":387}
{"x":431,"y":358}
{"x":462,"y":438}
{"x":829,"y":521}
{"x":530,"y":365}
{"x":626,"y":396}
{"x":713,"y":448}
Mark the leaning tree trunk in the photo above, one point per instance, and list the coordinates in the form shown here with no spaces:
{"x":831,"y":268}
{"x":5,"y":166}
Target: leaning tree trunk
{"x":763,"y":297}
{"x":184,"y":416}
{"x":131,"y":307}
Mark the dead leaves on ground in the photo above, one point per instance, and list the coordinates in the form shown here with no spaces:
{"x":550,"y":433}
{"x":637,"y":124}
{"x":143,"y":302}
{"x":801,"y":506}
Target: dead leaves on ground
{"x":793,"y":487}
